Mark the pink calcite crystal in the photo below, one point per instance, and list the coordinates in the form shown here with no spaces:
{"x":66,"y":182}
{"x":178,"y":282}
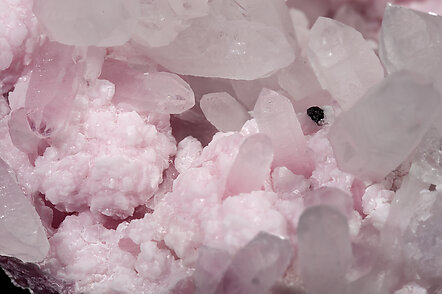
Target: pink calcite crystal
{"x":221,"y":147}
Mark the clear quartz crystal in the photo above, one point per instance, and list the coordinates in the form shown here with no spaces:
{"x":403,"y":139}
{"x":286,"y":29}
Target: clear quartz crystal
{"x":411,"y":40}
{"x":21,"y":232}
{"x":385,"y":126}
{"x":325,"y":252}
{"x":339,"y":53}
{"x":223,"y":111}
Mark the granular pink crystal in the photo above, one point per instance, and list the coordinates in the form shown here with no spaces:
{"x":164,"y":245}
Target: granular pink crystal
{"x":224,"y":147}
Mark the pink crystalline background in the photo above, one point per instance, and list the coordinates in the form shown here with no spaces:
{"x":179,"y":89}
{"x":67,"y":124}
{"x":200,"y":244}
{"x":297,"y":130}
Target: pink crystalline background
{"x":129,"y":196}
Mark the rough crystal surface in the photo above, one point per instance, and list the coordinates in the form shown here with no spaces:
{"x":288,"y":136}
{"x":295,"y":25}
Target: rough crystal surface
{"x":385,"y":126}
{"x":22,"y":233}
{"x":339,"y":52}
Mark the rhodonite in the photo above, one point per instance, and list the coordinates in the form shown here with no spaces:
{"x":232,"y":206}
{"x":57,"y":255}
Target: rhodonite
{"x":195,"y":146}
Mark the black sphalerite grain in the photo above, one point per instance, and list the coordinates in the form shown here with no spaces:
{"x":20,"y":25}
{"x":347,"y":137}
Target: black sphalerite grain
{"x":316,"y":114}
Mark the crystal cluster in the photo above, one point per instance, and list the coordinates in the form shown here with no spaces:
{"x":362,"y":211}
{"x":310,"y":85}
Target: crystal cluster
{"x":221,"y":146}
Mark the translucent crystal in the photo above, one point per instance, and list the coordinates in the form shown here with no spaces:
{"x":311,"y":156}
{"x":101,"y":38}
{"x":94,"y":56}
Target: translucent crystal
{"x":411,"y":40}
{"x":339,"y":53}
{"x":21,"y":232}
{"x":251,"y":166}
{"x":276,"y":118}
{"x":210,"y":268}
{"x":53,"y":84}
{"x":161,"y":92}
{"x":227,"y":46}
{"x":385,"y":126}
{"x":223,"y":111}
{"x":160,"y":21}
{"x":257,"y":266}
{"x":325,"y":252}
{"x":85,"y":23}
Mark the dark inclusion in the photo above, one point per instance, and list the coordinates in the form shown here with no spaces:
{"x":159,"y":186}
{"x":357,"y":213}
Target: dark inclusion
{"x":316,"y":114}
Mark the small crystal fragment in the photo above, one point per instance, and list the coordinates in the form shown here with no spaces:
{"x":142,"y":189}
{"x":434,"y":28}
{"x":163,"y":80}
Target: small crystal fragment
{"x":325,"y":252}
{"x":276,"y":118}
{"x":251,"y":166}
{"x":339,"y":53}
{"x":21,"y":232}
{"x":258,"y":265}
{"x":223,"y":111}
{"x":385,"y":126}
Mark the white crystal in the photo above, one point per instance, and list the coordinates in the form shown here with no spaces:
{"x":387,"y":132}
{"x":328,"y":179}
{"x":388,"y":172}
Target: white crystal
{"x":227,"y":46}
{"x":251,"y":166}
{"x":411,"y":40}
{"x":325,"y":252}
{"x":339,"y":53}
{"x":385,"y":126}
{"x":160,"y":21}
{"x":276,"y":118}
{"x":88,"y":23}
{"x":21,"y":232}
{"x":422,"y":239}
{"x":258,"y":265}
{"x":223,"y":111}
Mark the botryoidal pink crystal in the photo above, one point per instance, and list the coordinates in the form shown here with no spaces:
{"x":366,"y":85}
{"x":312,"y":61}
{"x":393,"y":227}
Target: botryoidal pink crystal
{"x":27,"y":241}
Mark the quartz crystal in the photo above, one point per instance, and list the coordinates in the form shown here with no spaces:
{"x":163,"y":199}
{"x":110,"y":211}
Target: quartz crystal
{"x":28,"y":241}
{"x":276,"y":118}
{"x":221,"y":146}
{"x":415,"y":47}
{"x":253,"y":269}
{"x":339,"y":52}
{"x":105,"y":23}
{"x":325,"y":253}
{"x":385,"y":126}
{"x":161,"y":92}
{"x":217,"y":106}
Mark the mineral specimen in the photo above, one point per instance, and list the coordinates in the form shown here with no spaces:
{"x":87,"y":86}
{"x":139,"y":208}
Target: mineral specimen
{"x":221,"y":147}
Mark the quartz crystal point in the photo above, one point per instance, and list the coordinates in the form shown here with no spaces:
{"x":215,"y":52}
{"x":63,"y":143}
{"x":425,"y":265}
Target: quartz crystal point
{"x":85,"y":23}
{"x":52,"y":87}
{"x":257,"y":266}
{"x":21,"y":232}
{"x":160,"y":92}
{"x":385,"y":126}
{"x":411,"y":40}
{"x":339,"y":53}
{"x":234,"y":41}
{"x":276,"y":118}
{"x":210,"y":268}
{"x":325,"y":252}
{"x":251,"y":166}
{"x":223,"y":111}
{"x":160,"y":21}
